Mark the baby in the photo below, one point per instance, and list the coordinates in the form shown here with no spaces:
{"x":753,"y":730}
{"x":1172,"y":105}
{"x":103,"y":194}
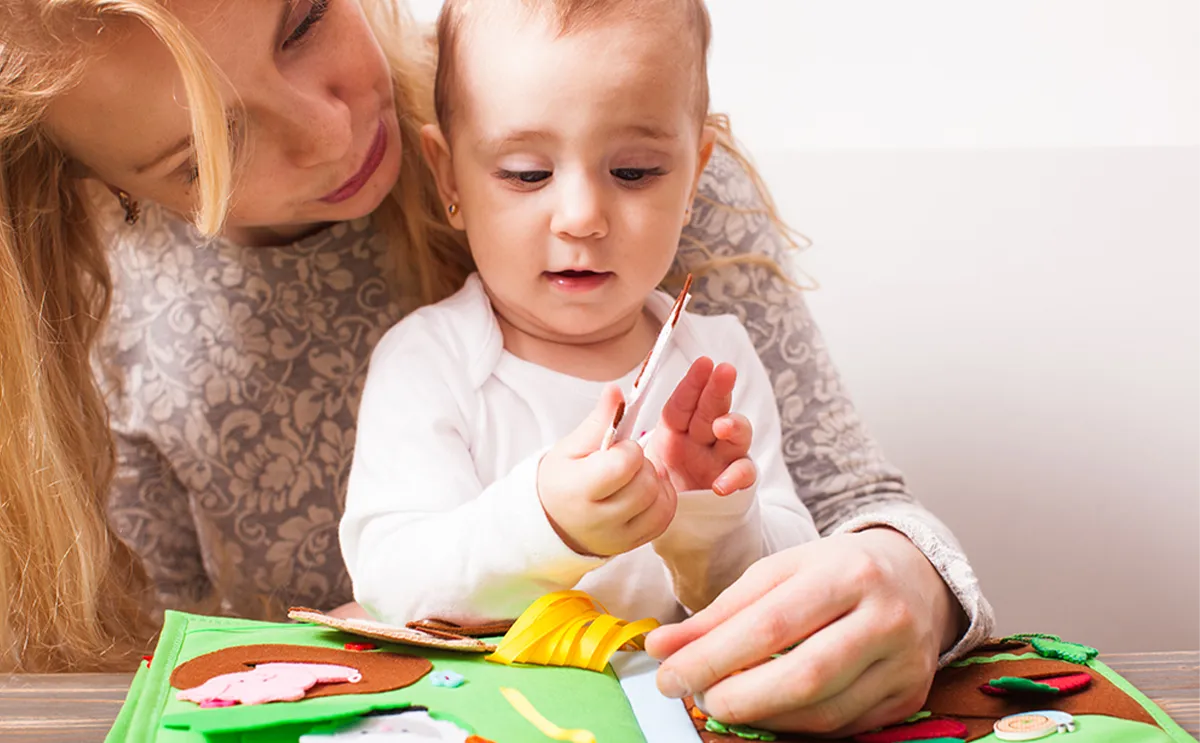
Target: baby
{"x":570,"y":143}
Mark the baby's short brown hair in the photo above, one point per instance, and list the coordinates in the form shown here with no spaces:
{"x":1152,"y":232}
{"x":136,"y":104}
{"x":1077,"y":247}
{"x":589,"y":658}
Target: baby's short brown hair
{"x":569,"y":16}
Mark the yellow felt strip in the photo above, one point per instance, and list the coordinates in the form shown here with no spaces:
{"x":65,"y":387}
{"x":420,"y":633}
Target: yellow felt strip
{"x":544,"y":726}
{"x":569,"y":638}
{"x":594,"y":637}
{"x":567,"y":628}
{"x":515,"y":643}
{"x":615,"y":640}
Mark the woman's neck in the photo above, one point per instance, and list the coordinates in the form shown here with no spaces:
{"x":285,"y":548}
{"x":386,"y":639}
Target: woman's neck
{"x":267,"y":237}
{"x":603,"y":360}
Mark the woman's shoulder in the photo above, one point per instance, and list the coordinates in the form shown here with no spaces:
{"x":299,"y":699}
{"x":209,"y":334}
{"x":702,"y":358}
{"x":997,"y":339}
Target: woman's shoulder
{"x":734,"y":216}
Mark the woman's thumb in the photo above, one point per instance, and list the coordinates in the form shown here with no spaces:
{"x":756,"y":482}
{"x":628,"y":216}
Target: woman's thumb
{"x":586,"y":438}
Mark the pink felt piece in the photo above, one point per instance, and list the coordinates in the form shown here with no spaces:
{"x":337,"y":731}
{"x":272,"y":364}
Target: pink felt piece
{"x":269,"y":682}
{"x":213,"y":703}
{"x":920,"y":730}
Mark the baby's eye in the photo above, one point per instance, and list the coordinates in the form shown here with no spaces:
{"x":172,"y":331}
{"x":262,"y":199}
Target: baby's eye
{"x":635,"y":174}
{"x":524,"y":176}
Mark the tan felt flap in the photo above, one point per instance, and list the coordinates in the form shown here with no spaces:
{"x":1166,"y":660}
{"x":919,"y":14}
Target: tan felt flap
{"x":391,"y":633}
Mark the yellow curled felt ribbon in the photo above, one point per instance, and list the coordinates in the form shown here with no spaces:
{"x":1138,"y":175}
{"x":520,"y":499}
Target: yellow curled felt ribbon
{"x":568,"y":628}
{"x":544,"y":726}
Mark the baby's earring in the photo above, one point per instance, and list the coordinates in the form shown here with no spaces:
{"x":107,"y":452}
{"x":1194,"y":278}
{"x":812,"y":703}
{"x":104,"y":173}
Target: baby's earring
{"x":453,"y":209}
{"x":133,"y":210}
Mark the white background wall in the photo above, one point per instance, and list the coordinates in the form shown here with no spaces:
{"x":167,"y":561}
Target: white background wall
{"x":1005,"y":204}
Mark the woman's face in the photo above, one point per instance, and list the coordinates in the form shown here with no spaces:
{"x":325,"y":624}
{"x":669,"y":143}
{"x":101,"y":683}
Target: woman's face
{"x":309,"y":95}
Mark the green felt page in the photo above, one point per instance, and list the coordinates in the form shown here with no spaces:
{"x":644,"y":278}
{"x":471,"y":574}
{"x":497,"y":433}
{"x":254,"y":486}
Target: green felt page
{"x":1162,"y":718}
{"x":1101,"y":729}
{"x":570,"y":697}
{"x":120,"y":729}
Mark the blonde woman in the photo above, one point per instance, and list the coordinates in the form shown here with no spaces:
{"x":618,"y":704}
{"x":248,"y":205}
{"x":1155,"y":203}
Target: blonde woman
{"x":219,"y":208}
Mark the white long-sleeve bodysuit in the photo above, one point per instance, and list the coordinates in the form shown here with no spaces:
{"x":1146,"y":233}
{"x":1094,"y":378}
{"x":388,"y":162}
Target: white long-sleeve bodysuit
{"x":442,"y":512}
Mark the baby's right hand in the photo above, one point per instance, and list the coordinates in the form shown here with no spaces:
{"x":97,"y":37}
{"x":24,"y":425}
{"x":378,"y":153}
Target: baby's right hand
{"x":603,"y":502}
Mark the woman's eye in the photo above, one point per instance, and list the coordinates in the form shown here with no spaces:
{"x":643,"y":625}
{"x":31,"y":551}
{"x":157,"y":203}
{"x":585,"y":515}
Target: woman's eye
{"x":189,"y":172}
{"x":635,"y":174}
{"x":528,"y":177}
{"x":311,"y":16}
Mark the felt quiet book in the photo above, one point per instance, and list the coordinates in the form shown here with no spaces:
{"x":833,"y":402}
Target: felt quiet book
{"x":565,"y":670}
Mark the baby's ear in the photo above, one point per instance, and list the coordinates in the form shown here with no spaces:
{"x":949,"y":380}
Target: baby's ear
{"x":708,"y":140}
{"x":437,"y":153}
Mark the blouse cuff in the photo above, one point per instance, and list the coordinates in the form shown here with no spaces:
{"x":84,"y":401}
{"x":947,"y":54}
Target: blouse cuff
{"x":934,"y":540}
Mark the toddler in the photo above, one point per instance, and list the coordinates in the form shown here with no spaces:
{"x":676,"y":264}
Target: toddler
{"x":570,"y":142}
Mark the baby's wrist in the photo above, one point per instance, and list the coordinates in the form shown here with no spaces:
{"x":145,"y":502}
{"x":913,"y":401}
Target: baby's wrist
{"x":573,"y":544}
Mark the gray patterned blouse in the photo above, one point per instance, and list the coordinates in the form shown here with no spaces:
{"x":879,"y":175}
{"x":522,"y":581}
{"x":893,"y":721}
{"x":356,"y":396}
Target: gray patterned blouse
{"x":234,"y":377}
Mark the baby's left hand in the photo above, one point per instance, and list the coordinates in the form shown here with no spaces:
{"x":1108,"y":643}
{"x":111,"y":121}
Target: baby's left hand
{"x":699,"y":444}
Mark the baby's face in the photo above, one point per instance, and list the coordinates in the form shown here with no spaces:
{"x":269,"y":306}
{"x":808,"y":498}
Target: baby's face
{"x":575,"y":160}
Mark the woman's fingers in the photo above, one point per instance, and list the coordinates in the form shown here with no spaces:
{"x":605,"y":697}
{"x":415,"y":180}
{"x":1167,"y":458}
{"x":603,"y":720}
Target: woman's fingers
{"x":873,"y":627}
{"x":876,"y":698}
{"x":783,"y":615}
{"x":351,"y":610}
{"x":812,"y":683}
{"x":760,"y":578}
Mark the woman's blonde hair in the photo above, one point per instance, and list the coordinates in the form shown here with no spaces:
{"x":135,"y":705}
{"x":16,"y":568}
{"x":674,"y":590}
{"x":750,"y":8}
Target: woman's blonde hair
{"x":69,"y":589}
{"x":72,"y":595}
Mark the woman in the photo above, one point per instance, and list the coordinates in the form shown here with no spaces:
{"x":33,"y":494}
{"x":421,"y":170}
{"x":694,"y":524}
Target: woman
{"x":231,"y":368}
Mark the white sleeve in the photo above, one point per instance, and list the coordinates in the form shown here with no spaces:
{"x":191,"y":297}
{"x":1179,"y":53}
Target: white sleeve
{"x":421,"y":536}
{"x":713,"y":539}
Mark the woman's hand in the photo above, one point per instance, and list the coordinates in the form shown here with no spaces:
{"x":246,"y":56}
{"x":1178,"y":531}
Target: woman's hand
{"x":349,"y":610}
{"x":698,"y":444}
{"x":872,"y":616}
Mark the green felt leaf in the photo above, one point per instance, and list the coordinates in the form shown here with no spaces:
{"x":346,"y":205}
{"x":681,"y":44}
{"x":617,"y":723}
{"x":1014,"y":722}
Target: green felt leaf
{"x":745,"y":732}
{"x":1018,"y":684}
{"x":1052,"y":646}
{"x":1069,"y":651}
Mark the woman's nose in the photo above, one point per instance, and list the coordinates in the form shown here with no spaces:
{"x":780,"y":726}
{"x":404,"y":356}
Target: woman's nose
{"x":580,"y":211}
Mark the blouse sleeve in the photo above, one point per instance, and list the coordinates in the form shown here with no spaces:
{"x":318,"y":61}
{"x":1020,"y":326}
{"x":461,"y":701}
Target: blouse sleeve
{"x":838,"y":471}
{"x":149,"y":509}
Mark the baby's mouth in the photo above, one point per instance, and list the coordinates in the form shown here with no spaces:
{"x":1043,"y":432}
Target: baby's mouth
{"x":577,"y":279}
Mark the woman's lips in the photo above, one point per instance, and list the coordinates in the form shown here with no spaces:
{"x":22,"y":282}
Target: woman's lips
{"x":358,"y":180}
{"x":577,"y":281}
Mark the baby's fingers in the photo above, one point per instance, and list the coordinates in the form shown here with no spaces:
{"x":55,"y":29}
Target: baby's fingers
{"x":714,"y":403}
{"x":735,"y":432}
{"x":677,"y":413}
{"x":737,"y":476}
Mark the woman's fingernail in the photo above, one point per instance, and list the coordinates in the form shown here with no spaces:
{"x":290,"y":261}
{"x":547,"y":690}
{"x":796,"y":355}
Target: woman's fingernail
{"x":671,"y":685}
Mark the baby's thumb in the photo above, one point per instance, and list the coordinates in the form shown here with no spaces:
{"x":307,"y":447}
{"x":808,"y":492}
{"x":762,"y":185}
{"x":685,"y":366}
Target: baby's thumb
{"x":586,"y":438}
